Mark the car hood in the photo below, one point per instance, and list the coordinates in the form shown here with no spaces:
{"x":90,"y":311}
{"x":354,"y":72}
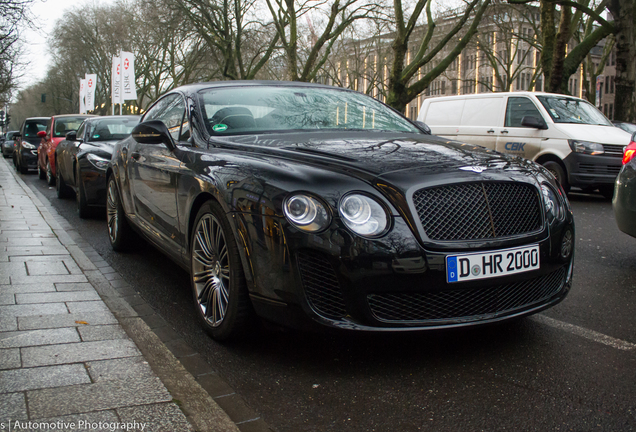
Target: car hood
{"x":393,"y":157}
{"x":594,"y":133}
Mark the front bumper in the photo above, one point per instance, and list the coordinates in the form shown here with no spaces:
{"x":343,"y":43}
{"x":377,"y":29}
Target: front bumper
{"x":29,"y":158}
{"x":393,"y":284}
{"x":94,"y":183}
{"x":591,"y":171}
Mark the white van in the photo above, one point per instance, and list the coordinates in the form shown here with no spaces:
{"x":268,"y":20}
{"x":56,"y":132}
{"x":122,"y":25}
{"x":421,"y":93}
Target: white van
{"x":567,"y":135}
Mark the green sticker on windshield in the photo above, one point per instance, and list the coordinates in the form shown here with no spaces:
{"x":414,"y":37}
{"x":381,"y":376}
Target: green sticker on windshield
{"x":219,"y":127}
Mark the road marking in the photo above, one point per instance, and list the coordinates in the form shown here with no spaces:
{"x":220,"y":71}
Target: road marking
{"x":586,"y":333}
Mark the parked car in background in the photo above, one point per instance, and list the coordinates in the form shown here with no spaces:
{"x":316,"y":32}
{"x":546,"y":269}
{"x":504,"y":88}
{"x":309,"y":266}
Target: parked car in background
{"x":29,"y":138}
{"x":311,"y":205}
{"x":567,"y":135}
{"x":627,"y":127}
{"x":82,"y":158}
{"x":624,"y":201}
{"x":56,"y":130}
{"x":8,"y":144}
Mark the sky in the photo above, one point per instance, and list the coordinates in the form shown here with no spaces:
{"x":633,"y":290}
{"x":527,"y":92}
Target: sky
{"x":46,"y":13}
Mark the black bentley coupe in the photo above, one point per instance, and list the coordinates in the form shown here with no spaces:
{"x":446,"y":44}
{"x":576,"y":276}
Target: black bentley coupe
{"x":311,"y":206}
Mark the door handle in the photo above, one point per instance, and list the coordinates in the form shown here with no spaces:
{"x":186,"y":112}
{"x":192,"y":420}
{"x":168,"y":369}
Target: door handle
{"x":504,"y":131}
{"x":491,"y":131}
{"x":134,"y":155}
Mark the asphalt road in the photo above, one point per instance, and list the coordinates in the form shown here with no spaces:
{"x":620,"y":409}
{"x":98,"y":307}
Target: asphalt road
{"x":573,"y":367}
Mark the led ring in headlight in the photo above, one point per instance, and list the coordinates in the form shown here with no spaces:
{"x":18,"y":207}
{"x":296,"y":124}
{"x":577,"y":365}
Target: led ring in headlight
{"x":306,"y":213}
{"x":363,"y":215}
{"x":553,"y":207}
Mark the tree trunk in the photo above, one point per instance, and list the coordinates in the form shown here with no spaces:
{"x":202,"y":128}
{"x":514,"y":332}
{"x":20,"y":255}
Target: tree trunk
{"x":625,"y":100}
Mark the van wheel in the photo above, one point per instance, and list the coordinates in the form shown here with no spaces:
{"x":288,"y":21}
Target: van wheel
{"x":559,"y":173}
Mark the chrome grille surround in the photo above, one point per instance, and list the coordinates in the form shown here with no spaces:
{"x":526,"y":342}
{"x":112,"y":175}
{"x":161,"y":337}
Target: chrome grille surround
{"x":472,"y":304}
{"x":475,"y":211}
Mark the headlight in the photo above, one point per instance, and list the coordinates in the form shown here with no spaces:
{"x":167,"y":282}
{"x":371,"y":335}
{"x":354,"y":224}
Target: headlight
{"x":553,"y":208}
{"x":306,"y":213}
{"x":28,"y":146}
{"x":586,"y":147}
{"x":98,"y":161}
{"x":363,"y":215}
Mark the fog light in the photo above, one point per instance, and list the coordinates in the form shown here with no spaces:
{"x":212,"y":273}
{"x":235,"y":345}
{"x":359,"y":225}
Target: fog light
{"x":566,"y":244}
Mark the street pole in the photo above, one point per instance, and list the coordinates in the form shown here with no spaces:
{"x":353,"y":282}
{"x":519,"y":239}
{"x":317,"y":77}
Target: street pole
{"x":121,"y":83}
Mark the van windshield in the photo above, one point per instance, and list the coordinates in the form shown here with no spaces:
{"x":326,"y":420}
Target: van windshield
{"x":565,"y":109}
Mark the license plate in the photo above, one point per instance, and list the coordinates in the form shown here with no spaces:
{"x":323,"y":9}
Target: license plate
{"x":484,"y":265}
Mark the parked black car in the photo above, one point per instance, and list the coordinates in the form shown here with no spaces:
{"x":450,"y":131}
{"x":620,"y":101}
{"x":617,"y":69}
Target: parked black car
{"x":624,"y":201}
{"x":8,"y":144}
{"x":82,"y":159}
{"x":29,"y":138}
{"x":310,"y":204}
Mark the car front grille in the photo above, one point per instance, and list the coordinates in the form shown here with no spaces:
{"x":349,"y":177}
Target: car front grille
{"x":613,"y":149}
{"x":599,"y":169}
{"x":465,"y":304}
{"x":473,"y":211}
{"x":321,"y":285}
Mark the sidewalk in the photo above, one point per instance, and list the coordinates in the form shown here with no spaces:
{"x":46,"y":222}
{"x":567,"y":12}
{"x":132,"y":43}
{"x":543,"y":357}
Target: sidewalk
{"x":73,"y":355}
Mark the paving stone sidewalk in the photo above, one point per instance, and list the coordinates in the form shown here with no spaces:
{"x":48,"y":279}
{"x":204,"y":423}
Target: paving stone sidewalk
{"x":65,"y":359}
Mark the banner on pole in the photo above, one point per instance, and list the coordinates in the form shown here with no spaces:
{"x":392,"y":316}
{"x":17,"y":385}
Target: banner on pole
{"x":128,"y":75}
{"x":123,"y":86}
{"x":115,"y":80}
{"x":82,"y":95}
{"x":91,"y":83}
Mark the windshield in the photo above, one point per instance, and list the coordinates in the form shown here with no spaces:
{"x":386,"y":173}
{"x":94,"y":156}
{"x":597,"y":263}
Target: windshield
{"x":64,"y":125}
{"x":248,"y":110}
{"x":32,"y":127}
{"x":564,"y":109}
{"x":111,"y":129}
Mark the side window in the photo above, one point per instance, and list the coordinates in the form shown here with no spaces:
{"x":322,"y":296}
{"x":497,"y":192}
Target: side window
{"x":518,"y":108}
{"x":80,"y":131}
{"x":170,"y":110}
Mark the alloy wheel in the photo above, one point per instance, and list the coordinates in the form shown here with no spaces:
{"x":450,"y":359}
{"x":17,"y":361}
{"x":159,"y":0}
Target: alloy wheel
{"x":112,"y":217}
{"x":211,"y":270}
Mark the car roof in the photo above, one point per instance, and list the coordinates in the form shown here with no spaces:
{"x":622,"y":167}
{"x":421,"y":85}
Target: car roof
{"x":72,"y":115}
{"x":193,"y":88}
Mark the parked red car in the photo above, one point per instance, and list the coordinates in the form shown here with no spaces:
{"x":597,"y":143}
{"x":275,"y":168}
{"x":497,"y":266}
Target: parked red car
{"x":56,"y":130}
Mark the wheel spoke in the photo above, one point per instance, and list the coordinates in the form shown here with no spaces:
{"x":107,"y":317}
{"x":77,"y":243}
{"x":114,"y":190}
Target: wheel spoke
{"x":204,"y":246}
{"x":205,"y":261}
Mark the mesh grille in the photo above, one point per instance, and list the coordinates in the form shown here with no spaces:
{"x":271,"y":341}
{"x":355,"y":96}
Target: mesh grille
{"x":473,"y":211}
{"x":465,"y":303}
{"x":613,"y":149}
{"x":321,"y":285}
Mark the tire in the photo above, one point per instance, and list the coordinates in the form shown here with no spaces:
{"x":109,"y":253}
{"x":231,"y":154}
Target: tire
{"x":119,"y":232}
{"x":607,"y":191}
{"x":218,"y":283}
{"x":83,"y":210}
{"x":63,"y":191}
{"x":22,"y":168}
{"x":557,"y":171}
{"x":50,"y":178}
{"x":41,"y":172}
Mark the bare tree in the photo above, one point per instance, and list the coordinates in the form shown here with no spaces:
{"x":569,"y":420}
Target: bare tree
{"x":306,"y":58}
{"x":233,"y":34}
{"x":13,"y":15}
{"x":625,"y":21}
{"x":403,"y":85}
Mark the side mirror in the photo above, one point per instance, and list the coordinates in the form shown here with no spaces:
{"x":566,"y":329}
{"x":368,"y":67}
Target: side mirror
{"x":153,"y":132}
{"x":71,"y":136}
{"x":533,"y":122}
{"x":42,"y":134}
{"x":424,"y":127}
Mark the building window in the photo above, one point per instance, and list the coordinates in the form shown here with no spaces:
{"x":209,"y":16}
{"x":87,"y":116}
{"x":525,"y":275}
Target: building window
{"x":611,"y":113}
{"x":443,"y":87}
{"x":453,"y":87}
{"x":605,"y":109}
{"x":612,"y":85}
